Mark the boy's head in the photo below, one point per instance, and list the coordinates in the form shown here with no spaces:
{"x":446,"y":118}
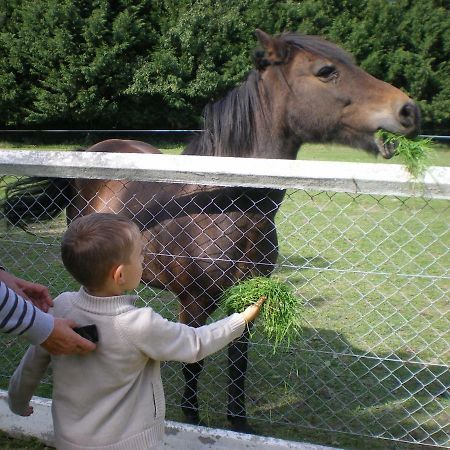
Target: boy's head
{"x":100,"y":247}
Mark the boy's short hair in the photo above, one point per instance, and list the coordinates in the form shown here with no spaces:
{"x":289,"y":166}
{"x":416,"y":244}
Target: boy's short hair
{"x":94,"y":244}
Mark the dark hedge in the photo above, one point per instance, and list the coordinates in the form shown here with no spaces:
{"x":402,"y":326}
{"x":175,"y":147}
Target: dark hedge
{"x":149,"y":64}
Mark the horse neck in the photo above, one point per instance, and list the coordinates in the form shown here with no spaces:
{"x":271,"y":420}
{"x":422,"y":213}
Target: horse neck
{"x":272,"y":146}
{"x":244,"y":124}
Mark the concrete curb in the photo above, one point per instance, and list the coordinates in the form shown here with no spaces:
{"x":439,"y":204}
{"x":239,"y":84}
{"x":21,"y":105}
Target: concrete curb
{"x":179,"y":436}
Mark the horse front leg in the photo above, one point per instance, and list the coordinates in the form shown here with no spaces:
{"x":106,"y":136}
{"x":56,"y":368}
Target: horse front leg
{"x":194,"y":315}
{"x":237,"y":366}
{"x":189,"y":402}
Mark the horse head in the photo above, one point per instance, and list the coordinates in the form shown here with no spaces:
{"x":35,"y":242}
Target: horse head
{"x":318,"y":94}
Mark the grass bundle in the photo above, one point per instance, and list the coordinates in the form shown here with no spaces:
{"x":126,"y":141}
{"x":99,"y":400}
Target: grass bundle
{"x":281,"y":313}
{"x":415,"y":153}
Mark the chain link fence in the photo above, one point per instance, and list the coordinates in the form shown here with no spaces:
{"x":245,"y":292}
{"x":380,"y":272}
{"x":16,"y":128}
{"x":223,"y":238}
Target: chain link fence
{"x":373,"y":272}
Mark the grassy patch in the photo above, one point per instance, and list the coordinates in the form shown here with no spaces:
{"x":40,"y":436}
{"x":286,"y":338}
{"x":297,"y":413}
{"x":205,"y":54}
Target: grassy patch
{"x":8,"y":442}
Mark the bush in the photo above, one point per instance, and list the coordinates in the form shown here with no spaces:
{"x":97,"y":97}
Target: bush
{"x":144,"y":64}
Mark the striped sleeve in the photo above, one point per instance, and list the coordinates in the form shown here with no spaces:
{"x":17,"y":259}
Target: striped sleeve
{"x":21,"y":318}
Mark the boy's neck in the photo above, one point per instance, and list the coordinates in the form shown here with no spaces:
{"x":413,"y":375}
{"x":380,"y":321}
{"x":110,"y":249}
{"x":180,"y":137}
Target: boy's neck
{"x":104,"y":291}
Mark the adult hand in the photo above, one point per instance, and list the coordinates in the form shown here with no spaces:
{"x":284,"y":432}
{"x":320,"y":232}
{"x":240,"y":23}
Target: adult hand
{"x":64,"y":341}
{"x":34,"y":292}
{"x":252,"y":311}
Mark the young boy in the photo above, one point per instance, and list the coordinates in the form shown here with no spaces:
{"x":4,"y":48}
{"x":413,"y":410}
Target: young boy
{"x":112,"y":398}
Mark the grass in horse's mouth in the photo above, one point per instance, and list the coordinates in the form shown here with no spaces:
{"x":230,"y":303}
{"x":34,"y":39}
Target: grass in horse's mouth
{"x":414,"y":153}
{"x":281,"y":313}
{"x":387,"y":149}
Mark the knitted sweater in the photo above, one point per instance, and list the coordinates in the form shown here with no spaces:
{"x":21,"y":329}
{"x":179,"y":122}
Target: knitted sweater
{"x":112,"y":398}
{"x":21,"y":318}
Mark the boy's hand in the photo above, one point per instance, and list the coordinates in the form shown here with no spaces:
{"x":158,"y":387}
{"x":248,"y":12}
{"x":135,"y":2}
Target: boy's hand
{"x":28,"y":411}
{"x":64,"y":341}
{"x":252,"y":311}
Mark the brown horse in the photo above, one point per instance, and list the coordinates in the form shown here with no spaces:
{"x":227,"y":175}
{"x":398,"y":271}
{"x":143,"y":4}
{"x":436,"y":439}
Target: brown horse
{"x":203,"y":239}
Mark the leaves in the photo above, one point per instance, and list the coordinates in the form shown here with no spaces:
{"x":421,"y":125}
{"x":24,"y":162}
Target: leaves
{"x":415,"y":153}
{"x":72,"y":61}
{"x":157,"y":63}
{"x":281,"y":313}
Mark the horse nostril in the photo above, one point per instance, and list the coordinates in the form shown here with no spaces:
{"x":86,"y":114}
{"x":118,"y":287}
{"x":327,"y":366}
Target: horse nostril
{"x":409,"y":115}
{"x":406,"y":111}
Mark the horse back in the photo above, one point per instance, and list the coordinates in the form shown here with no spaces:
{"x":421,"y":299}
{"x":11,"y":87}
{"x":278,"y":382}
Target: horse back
{"x":200,"y":237}
{"x":106,"y":195}
{"x":123,"y":146}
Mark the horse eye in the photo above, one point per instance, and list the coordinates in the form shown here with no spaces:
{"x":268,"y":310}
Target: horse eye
{"x":327,"y":72}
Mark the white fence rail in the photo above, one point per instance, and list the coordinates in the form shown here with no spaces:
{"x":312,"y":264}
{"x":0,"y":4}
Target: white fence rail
{"x":363,"y":245}
{"x":383,"y":179}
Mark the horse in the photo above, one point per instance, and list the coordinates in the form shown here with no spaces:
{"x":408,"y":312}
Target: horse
{"x":202,"y":239}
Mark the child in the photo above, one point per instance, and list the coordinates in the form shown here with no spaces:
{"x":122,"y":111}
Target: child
{"x":112,"y":398}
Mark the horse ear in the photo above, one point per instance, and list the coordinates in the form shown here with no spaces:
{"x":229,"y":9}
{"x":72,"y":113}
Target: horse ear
{"x":274,"y":51}
{"x":264,"y":39}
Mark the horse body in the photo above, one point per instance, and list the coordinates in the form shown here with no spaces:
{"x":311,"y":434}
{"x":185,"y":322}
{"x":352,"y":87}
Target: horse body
{"x":212,"y":230}
{"x":202,"y":239}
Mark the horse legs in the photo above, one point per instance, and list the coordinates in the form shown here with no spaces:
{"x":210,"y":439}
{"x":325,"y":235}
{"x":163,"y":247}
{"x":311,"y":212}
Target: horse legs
{"x":237,"y":366}
{"x":194,"y":315}
{"x":189,"y":402}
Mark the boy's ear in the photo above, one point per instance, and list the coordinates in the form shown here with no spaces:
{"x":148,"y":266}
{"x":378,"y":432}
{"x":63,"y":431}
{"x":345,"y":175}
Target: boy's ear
{"x":118,"y":275}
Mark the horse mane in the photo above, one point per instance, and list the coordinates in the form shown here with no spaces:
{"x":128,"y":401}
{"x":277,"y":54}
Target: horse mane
{"x":230,"y":124}
{"x":318,"y":46}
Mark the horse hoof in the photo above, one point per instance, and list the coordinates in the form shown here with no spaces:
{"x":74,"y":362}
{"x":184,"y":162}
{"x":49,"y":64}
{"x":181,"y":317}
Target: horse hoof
{"x":194,"y":419}
{"x":240,"y":425}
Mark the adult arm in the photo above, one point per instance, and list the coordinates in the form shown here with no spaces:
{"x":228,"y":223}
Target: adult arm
{"x":34,"y":292}
{"x":21,"y":318}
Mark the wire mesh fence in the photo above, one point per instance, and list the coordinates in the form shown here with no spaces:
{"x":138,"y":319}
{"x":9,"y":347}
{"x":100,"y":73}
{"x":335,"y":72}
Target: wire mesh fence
{"x":372,"y":270}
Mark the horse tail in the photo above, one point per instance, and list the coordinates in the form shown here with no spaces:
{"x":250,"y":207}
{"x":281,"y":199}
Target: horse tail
{"x":35,"y":199}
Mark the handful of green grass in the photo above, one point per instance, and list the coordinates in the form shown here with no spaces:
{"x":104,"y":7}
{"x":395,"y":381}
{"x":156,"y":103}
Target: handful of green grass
{"x":281,"y":313}
{"x":415,"y":153}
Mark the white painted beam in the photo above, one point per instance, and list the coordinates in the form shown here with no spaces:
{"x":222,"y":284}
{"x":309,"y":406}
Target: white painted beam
{"x":365,"y":178}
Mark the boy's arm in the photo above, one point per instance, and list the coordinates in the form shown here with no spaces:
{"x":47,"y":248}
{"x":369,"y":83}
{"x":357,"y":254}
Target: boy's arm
{"x":163,"y":340}
{"x":26,"y":378}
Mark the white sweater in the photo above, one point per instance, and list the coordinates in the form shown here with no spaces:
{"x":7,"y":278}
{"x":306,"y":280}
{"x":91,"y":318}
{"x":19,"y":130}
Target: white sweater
{"x":112,"y":398}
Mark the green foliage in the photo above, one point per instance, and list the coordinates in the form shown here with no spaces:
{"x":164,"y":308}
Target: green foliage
{"x":68,"y":62}
{"x":143,"y":63}
{"x":414,"y":153}
{"x":203,"y":51}
{"x":281,"y":312}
